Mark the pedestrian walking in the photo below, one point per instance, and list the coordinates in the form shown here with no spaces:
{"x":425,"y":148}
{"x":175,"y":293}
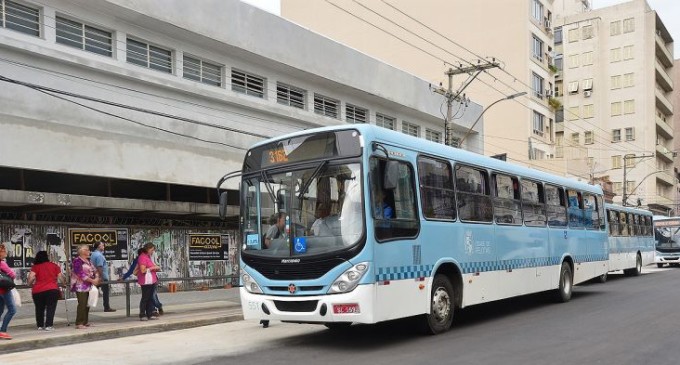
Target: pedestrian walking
{"x":83,"y":276}
{"x":147,"y":280}
{"x":102,"y":265}
{"x":6,"y":299}
{"x":43,"y":277}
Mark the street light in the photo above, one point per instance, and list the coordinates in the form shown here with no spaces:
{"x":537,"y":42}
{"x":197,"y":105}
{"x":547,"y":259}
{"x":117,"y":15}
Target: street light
{"x":509,"y":97}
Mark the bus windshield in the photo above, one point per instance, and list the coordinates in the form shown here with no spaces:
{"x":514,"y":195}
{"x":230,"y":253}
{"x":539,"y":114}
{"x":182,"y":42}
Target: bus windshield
{"x":667,"y":238}
{"x":303,"y":212}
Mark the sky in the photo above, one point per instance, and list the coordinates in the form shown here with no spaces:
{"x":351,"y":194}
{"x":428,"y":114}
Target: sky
{"x":668,"y":10}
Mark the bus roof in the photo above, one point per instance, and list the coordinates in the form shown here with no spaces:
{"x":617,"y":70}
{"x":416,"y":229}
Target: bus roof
{"x":375,"y":133}
{"x":627,"y":209}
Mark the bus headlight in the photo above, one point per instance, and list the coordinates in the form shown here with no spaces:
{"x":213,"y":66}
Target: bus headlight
{"x":349,"y":279}
{"x":250,"y":284}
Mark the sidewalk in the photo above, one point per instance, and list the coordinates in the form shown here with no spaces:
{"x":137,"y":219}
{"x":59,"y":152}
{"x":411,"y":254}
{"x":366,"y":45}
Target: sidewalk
{"x":182,"y":310}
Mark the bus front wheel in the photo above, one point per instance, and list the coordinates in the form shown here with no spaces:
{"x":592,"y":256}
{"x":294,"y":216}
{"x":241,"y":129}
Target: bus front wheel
{"x":563,"y":292}
{"x":637,"y":270}
{"x":441,"y":306}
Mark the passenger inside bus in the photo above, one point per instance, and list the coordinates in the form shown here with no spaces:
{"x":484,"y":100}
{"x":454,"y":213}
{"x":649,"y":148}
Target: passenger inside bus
{"x":382,"y":206}
{"x":277,"y":229}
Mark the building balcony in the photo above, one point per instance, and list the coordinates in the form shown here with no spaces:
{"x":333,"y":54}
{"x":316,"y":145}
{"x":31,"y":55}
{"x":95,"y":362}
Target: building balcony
{"x":663,"y":128}
{"x":662,"y":78}
{"x":662,"y":103}
{"x":665,"y":178}
{"x":662,"y":52}
{"x":664,"y":153}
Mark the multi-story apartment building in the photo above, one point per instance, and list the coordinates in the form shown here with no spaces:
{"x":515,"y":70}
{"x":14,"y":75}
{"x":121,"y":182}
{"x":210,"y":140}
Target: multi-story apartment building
{"x":425,"y":37}
{"x":124,"y":114}
{"x":613,"y":81}
{"x":676,"y":126}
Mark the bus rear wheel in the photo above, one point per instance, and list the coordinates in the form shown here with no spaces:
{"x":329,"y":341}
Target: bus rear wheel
{"x":637,"y":270}
{"x":563,"y":292}
{"x":441,"y":306}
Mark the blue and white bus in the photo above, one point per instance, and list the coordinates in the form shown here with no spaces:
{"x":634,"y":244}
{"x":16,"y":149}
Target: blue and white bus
{"x":410,"y":228}
{"x":631,"y":239}
{"x":667,"y":235}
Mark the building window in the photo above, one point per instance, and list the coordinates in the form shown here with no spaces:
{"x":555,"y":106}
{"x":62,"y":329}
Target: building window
{"x":574,"y":113}
{"x":410,"y":129}
{"x":629,"y":80}
{"x":558,"y":35}
{"x":591,"y":161}
{"x":573,"y":87}
{"x":630,"y":160}
{"x":573,"y":35}
{"x":630,"y":134}
{"x":615,"y":55}
{"x":146,"y":55}
{"x":628,"y":53}
{"x":617,"y":188}
{"x":537,"y":82}
{"x":573,"y":61}
{"x":616,"y":135}
{"x":615,"y":28}
{"x":539,"y":124}
{"x":85,"y":37}
{"x":615,"y":82}
{"x":19,"y":17}
{"x":587,"y":58}
{"x":616,"y":162}
{"x":537,"y":48}
{"x":384,"y":121}
{"x":629,"y":25}
{"x":575,"y":139}
{"x":630,"y":187}
{"x":559,"y":63}
{"x":629,"y":107}
{"x":589,"y":139}
{"x":588,"y":111}
{"x":537,"y":10}
{"x":616,"y":108}
{"x":587,"y":84}
{"x":291,"y":96}
{"x":247,"y":83}
{"x":201,"y":71}
{"x":587,"y":32}
{"x":326,"y":106}
{"x":433,"y":136}
{"x":355,"y":114}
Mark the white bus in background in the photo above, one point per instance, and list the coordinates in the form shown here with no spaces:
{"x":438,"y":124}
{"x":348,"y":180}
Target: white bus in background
{"x":667,"y":236}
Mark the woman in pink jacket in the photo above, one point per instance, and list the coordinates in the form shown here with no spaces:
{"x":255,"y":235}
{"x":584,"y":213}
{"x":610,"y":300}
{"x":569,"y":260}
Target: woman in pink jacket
{"x":146,"y":264}
{"x":6,"y":299}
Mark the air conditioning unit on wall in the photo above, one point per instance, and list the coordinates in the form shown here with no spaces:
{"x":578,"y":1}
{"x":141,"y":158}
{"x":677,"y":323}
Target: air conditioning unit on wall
{"x":587,"y":93}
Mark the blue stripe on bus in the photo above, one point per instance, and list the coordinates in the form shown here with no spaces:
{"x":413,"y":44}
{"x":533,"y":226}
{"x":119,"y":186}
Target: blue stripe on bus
{"x":412,"y":272}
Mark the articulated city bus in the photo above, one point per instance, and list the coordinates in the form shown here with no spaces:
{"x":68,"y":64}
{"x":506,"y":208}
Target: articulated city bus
{"x":360,"y":224}
{"x":631,"y":239}
{"x":667,"y":235}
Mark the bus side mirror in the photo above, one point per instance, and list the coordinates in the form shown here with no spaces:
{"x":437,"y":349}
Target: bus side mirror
{"x":391,"y":175}
{"x":223,"y":205}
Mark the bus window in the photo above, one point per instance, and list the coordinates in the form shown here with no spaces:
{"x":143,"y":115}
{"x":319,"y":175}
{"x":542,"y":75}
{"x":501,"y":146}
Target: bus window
{"x":614,"y":229}
{"x":506,"y":205}
{"x":648,"y":226}
{"x":436,"y":189}
{"x":591,"y":212}
{"x":637,"y":225}
{"x":623,"y":221}
{"x":533,"y":204}
{"x":575,"y":210}
{"x":472,"y":195}
{"x":631,"y":224}
{"x":393,"y":204}
{"x":557,"y":213}
{"x":600,"y":209}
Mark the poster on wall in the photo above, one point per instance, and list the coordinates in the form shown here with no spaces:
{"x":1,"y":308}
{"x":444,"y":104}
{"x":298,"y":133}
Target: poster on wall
{"x":207,"y":246}
{"x":20,"y":250}
{"x":115,"y":240}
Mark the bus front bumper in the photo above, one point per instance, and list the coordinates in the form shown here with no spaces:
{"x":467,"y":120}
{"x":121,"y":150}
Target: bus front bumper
{"x":356,"y":306}
{"x":667,"y":259}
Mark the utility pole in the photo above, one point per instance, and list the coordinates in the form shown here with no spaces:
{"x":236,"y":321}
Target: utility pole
{"x":625,"y":170}
{"x":451,"y":96}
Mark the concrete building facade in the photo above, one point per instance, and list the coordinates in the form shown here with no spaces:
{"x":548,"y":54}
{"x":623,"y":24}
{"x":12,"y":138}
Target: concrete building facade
{"x":614,"y":83}
{"x":124,"y":114}
{"x":430,"y":36}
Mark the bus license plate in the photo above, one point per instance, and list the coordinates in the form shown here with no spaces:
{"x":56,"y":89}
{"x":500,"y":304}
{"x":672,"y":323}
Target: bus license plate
{"x":346,"y":308}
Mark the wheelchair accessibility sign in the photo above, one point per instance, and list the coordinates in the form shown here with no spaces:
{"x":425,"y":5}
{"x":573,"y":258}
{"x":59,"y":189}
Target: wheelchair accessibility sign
{"x":300,"y":245}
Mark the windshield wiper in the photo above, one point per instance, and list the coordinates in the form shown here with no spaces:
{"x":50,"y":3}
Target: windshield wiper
{"x":316,"y":172}
{"x":265,"y":179}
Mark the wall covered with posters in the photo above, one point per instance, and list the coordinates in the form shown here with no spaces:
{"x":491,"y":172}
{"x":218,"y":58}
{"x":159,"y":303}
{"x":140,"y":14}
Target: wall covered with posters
{"x":180,"y":252}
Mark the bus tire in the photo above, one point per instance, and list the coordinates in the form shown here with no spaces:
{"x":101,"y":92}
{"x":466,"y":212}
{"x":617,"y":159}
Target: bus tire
{"x":659,"y":265}
{"x":566,"y":284}
{"x":637,"y":270}
{"x":602,"y":278}
{"x":441,"y":306}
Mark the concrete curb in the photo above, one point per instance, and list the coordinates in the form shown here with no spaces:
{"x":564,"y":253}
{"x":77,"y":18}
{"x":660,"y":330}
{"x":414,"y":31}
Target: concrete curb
{"x":11,"y":346}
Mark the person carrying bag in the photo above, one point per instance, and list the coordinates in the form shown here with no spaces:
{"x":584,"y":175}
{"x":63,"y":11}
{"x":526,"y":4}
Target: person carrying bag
{"x":147,"y":280}
{"x":7,"y":276}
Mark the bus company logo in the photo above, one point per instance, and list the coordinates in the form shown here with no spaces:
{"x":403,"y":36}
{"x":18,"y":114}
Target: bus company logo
{"x":469,"y":247}
{"x":290,"y":261}
{"x":292,"y":288}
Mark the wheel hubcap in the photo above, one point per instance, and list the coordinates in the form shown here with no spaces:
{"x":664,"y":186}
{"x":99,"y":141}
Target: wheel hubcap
{"x":566,"y":284}
{"x":441,"y":304}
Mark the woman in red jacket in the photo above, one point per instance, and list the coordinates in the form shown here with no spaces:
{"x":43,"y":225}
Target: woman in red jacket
{"x":44,"y":276}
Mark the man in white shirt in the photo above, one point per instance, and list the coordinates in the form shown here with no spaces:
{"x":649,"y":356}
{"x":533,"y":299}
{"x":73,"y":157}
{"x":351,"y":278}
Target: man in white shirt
{"x":321,"y":227}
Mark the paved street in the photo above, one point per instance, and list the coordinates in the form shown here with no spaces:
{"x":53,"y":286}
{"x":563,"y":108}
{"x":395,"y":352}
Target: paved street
{"x":625,"y":321}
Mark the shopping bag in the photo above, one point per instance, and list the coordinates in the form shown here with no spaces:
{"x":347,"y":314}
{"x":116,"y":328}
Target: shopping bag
{"x":16,"y":297}
{"x":148,"y":278}
{"x":93,"y":297}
